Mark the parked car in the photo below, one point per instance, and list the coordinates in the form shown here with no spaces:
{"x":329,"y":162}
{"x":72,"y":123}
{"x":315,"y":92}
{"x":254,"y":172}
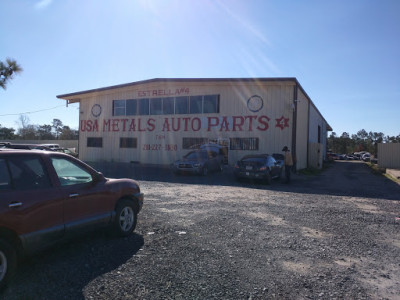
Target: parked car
{"x":44,"y":148}
{"x":67,"y":151}
{"x":280,"y":158}
{"x":221,"y":150}
{"x":19,"y":146}
{"x":259,"y":166}
{"x":366,"y":157}
{"x":332,"y":156}
{"x":51,"y":146}
{"x":4,"y":144}
{"x":49,"y":196}
{"x":198,"y":162}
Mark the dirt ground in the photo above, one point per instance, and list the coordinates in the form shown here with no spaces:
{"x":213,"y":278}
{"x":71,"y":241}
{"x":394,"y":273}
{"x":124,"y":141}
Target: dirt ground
{"x":330,"y":236}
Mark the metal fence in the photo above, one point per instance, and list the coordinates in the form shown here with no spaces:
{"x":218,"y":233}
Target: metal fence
{"x":389,"y":155}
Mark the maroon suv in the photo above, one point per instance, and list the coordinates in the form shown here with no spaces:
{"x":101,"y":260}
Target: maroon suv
{"x":48,"y":196}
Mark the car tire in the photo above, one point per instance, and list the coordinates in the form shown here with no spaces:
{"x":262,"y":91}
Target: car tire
{"x":280,"y":174}
{"x":204,"y":171}
{"x":8,"y":263}
{"x":268,"y":178}
{"x":125,"y":218}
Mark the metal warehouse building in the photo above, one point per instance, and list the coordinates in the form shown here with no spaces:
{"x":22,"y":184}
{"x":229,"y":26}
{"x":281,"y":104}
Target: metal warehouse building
{"x":158,"y":121}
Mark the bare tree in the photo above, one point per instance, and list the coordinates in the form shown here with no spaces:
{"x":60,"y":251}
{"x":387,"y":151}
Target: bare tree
{"x":58,"y":127}
{"x":23,"y":121}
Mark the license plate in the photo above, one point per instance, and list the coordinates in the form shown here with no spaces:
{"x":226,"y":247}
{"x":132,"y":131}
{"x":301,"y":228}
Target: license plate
{"x":249,"y":168}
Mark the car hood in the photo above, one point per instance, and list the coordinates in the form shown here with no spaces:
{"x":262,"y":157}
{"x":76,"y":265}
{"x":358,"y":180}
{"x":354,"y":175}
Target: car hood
{"x":190,"y":160}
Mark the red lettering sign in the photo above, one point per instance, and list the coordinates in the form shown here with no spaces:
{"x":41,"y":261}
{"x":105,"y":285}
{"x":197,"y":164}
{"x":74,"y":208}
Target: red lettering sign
{"x":176,"y":124}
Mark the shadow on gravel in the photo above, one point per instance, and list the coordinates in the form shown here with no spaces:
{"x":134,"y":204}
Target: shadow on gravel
{"x":342,"y":178}
{"x":63,"y":271}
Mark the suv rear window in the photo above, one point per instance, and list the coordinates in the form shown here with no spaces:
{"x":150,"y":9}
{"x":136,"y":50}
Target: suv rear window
{"x":23,"y":173}
{"x":5,"y":180}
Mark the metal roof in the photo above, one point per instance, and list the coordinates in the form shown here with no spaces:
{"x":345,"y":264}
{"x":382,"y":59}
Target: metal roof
{"x":72,"y":97}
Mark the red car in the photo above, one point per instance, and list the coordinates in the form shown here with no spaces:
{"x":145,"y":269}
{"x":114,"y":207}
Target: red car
{"x":49,"y":196}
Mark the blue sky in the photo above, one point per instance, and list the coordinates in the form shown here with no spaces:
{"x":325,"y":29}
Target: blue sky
{"x":345,"y":54}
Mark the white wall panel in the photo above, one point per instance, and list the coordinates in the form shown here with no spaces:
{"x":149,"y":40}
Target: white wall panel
{"x":276,"y":116}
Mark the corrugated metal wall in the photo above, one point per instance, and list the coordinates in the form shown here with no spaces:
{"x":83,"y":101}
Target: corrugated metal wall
{"x":389,"y":155}
{"x":302,"y":130}
{"x":277,"y":97}
{"x":315,"y":155}
{"x":277,"y":115}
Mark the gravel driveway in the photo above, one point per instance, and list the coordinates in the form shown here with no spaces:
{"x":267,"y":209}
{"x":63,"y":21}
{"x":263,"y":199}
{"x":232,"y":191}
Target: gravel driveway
{"x":332,"y":236}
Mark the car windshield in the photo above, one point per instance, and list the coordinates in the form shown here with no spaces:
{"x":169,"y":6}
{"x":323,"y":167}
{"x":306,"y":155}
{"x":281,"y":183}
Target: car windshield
{"x":278,"y":156}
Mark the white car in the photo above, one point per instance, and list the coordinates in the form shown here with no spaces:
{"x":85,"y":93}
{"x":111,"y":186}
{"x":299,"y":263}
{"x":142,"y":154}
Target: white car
{"x":51,"y":146}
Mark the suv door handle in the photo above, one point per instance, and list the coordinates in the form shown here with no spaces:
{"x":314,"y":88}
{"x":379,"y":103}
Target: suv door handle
{"x":15,"y":204}
{"x":73,"y":195}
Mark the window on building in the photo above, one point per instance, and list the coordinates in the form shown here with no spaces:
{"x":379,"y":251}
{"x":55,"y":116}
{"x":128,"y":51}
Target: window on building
{"x":95,"y":142}
{"x":193,"y":143}
{"x":128,"y":142}
{"x":319,"y":134}
{"x":211,"y":104}
{"x":131,"y":107}
{"x":182,"y":105}
{"x":143,"y":107}
{"x":168,"y":106}
{"x":196,"y":104}
{"x":156,"y":106}
{"x":119,"y":108}
{"x":244,"y":143}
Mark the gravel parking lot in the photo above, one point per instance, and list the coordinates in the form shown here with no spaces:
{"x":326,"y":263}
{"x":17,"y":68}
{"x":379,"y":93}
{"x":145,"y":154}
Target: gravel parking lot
{"x":331,"y":236}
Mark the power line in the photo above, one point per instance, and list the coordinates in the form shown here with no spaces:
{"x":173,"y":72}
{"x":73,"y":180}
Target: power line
{"x":32,"y":112}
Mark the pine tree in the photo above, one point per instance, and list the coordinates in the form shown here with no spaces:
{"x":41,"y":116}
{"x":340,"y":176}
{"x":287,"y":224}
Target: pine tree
{"x":7,"y":71}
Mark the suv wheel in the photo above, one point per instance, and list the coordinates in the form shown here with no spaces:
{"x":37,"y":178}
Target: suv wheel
{"x":8,"y":262}
{"x":126,"y":217}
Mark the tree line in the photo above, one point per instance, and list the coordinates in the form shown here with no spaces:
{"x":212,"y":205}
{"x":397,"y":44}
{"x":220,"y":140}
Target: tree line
{"x":26,"y":131}
{"x":362,"y":141}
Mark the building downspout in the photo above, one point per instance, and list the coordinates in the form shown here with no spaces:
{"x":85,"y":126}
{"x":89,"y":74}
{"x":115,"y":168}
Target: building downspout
{"x":308,"y":133}
{"x":294,"y":128}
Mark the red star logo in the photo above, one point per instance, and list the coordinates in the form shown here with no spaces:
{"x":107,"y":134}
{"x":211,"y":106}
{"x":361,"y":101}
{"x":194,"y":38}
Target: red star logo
{"x":282,"y":122}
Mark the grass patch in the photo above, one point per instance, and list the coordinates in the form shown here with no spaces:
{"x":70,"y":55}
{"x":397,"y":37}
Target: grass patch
{"x":315,"y":171}
{"x":382,"y":171}
{"x":388,"y":176}
{"x":376,"y":170}
{"x":310,"y":171}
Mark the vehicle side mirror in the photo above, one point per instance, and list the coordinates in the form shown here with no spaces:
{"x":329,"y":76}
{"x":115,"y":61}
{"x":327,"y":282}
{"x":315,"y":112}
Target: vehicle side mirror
{"x":98,"y":177}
